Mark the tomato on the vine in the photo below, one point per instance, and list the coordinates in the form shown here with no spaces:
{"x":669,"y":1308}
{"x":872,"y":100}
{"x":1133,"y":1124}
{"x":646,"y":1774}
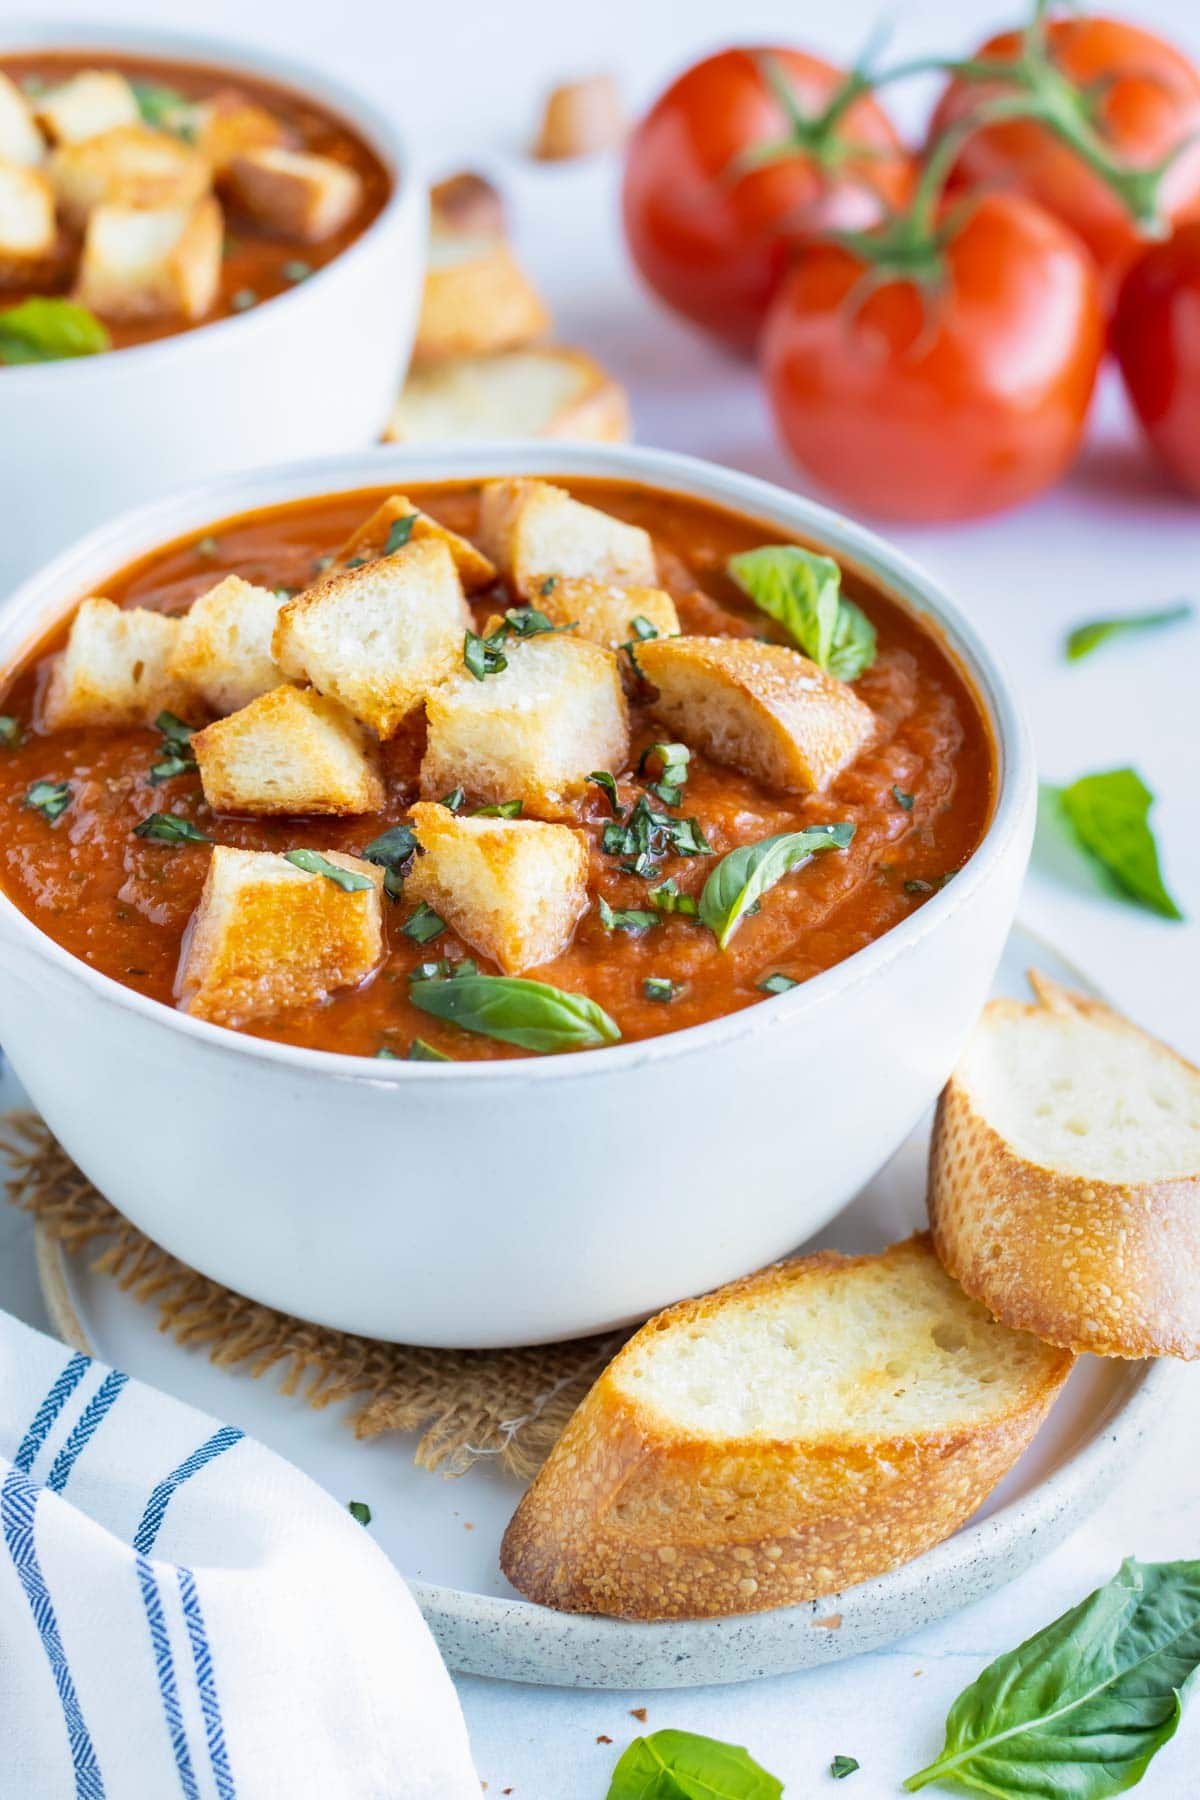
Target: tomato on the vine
{"x":743,"y":157}
{"x":1156,"y":336}
{"x":941,"y":369}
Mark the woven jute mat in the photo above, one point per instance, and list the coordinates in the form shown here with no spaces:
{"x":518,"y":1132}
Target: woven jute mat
{"x":465,"y":1404}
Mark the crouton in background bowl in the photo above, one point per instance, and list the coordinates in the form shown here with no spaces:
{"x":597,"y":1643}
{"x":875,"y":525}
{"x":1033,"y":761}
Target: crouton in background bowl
{"x":311,"y":370}
{"x":479,"y":1203}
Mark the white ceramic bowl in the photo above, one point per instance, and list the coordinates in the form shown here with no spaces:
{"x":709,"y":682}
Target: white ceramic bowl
{"x":477,"y":1204}
{"x":310,"y":372}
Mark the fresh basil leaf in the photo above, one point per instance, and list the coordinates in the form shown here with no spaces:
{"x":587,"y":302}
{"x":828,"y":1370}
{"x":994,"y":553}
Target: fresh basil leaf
{"x":1108,"y":815}
{"x":10,"y":732}
{"x":358,"y":1509}
{"x":530,"y":1014}
{"x":399,"y":533}
{"x":1078,"y":1711}
{"x":313,"y":863}
{"x":424,"y":925}
{"x":504,"y":809}
{"x":801,"y":591}
{"x":49,"y":330}
{"x":169,"y":828}
{"x":903,"y":799}
{"x":453,"y":800}
{"x":50,"y":798}
{"x":777,"y":983}
{"x":624,"y":918}
{"x":420,"y":1051}
{"x":668,"y":899}
{"x":654,"y":834}
{"x":660,"y":987}
{"x":841,"y":1766}
{"x":681,"y":1765}
{"x":394,"y":849}
{"x":159,"y":104}
{"x":482,"y":656}
{"x":740,"y":879}
{"x":1083,"y":639}
{"x":604,"y":780}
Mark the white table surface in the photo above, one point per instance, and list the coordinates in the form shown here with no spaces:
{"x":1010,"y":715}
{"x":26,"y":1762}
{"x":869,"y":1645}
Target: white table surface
{"x":1115,"y":536}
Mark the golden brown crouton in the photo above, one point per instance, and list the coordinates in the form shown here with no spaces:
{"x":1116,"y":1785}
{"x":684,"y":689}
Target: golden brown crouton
{"x":268,"y":936}
{"x":513,"y":888}
{"x":377,"y":638}
{"x":373,"y":535}
{"x":548,"y":391}
{"x":467,"y":204}
{"x":580,"y":118}
{"x":532,"y":529}
{"x":85,"y":105}
{"x":477,"y":299}
{"x":140,"y":263}
{"x":289,"y":751}
{"x":229,"y":125}
{"x":293,"y":193}
{"x":533,"y":732}
{"x":127,"y":166}
{"x":115,"y":670}
{"x":763,"y":708}
{"x":223,"y":649}
{"x":604,"y":611}
{"x":28,"y":235}
{"x":20,"y":140}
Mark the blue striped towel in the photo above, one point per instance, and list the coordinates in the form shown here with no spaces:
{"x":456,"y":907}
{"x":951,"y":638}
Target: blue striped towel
{"x":182,"y":1613}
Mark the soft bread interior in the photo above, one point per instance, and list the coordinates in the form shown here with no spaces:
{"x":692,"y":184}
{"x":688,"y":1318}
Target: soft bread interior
{"x":849,"y":1350}
{"x":1084,"y":1093}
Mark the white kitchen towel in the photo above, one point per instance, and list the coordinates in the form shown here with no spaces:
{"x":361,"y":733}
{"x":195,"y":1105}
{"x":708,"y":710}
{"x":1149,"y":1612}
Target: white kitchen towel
{"x":182,"y":1613}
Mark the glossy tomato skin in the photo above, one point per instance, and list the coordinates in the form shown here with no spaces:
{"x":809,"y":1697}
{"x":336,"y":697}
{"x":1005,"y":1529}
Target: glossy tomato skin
{"x":1152,"y":103}
{"x":714,"y":244}
{"x":964,"y":401}
{"x":1156,"y":337}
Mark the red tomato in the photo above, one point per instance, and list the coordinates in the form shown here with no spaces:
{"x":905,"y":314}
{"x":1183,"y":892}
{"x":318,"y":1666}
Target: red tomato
{"x":962,"y":399}
{"x":712,"y":239}
{"x":1146,"y":102}
{"x":1156,"y":335}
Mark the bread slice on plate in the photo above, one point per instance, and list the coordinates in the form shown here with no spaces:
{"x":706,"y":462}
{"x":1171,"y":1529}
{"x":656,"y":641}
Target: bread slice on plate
{"x":1065,"y":1177}
{"x":550,"y":392}
{"x":798,"y":1431}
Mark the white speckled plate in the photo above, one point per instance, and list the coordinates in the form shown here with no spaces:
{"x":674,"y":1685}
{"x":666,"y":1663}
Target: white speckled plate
{"x":444,"y":1535}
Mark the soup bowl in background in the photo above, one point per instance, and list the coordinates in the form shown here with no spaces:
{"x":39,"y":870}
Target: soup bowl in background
{"x":308,"y":372}
{"x":513,"y":1201}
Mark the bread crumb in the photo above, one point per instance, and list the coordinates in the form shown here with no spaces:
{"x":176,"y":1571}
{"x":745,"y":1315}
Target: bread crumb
{"x":638,"y":1713}
{"x":602,"y":1739}
{"x":832,"y":1623}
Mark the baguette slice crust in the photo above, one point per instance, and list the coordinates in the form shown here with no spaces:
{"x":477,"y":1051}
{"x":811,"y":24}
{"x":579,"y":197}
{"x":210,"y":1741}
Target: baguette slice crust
{"x":1064,"y":1187}
{"x":477,"y":299}
{"x":293,"y":192}
{"x":763,"y":708}
{"x":549,"y":391}
{"x":785,"y":1437}
{"x":532,"y":530}
{"x":289,"y":751}
{"x":116,"y":670}
{"x":369,"y":540}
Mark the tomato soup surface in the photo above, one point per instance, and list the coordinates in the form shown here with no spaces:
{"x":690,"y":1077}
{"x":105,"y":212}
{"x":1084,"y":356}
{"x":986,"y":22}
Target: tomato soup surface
{"x":122,"y":904}
{"x":256,"y":265}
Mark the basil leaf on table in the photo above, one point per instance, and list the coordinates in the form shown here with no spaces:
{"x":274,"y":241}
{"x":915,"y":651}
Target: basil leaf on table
{"x":530,"y":1014}
{"x":1078,"y":1711}
{"x":741,"y":878}
{"x":1085,"y":638}
{"x":680,"y":1765}
{"x":1108,"y":815}
{"x":802,"y":592}
{"x":49,"y":329}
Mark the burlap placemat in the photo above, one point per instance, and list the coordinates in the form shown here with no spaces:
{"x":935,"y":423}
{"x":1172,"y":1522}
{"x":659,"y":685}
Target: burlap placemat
{"x":465,"y":1404}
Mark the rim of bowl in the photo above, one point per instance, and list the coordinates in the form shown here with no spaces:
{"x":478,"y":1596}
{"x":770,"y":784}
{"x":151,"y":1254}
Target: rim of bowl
{"x":382,"y":136}
{"x":49,"y":594}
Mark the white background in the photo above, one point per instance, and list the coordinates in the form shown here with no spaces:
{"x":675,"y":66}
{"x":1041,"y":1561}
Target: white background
{"x":466,"y":81}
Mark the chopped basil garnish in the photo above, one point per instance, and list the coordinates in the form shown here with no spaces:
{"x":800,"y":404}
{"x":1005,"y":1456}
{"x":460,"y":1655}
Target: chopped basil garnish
{"x":207,"y":546}
{"x":641,"y":628}
{"x":660,"y":987}
{"x":50,"y":798}
{"x":668,"y":899}
{"x":321,"y":563}
{"x":313,"y":863}
{"x":903,"y":799}
{"x":777,"y":984}
{"x":357,"y":562}
{"x":802,"y":592}
{"x":670,"y":1764}
{"x":159,"y":104}
{"x":420,"y":1051}
{"x":530,"y":1014}
{"x":10,"y":731}
{"x":244,"y":299}
{"x":483,"y":655}
{"x":674,"y":760}
{"x":654,"y":834}
{"x":1085,"y":638}
{"x":1108,"y":815}
{"x":424,"y":925}
{"x":453,"y":800}
{"x":642,"y":865}
{"x":177,"y":745}
{"x":393,"y":851}
{"x":740,"y":879}
{"x":169,"y":828}
{"x":841,"y":1766}
{"x":444,"y":969}
{"x":358,"y":1509}
{"x":48,"y":330}
{"x":505,"y":809}
{"x":604,"y":780}
{"x":399,"y":533}
{"x":296,"y":269}
{"x":383,"y":1054}
{"x":624,"y":918}
{"x":914,"y":885}
{"x":527,"y":622}
{"x":548,"y":586}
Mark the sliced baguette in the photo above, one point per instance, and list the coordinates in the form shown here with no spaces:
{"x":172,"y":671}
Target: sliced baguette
{"x":798,"y":1431}
{"x":551,"y":392}
{"x":1064,"y":1186}
{"x":477,"y":299}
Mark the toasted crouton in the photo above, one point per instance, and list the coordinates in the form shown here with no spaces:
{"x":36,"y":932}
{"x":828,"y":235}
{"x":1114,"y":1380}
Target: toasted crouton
{"x":533,"y":732}
{"x":223,"y":649}
{"x":93,"y":101}
{"x":140,"y":263}
{"x":763,"y":708}
{"x":604,"y":611}
{"x":127,"y":166}
{"x":532,"y":529}
{"x":20,"y":140}
{"x":514,"y":889}
{"x":267,"y":936}
{"x":477,"y":299}
{"x":467,"y":203}
{"x":293,"y":193}
{"x":550,"y":392}
{"x":371,"y":538}
{"x":228,"y":125}
{"x":115,"y":670}
{"x":379,"y":637}
{"x":28,"y":235}
{"x":289,"y":751}
{"x":580,"y":118}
